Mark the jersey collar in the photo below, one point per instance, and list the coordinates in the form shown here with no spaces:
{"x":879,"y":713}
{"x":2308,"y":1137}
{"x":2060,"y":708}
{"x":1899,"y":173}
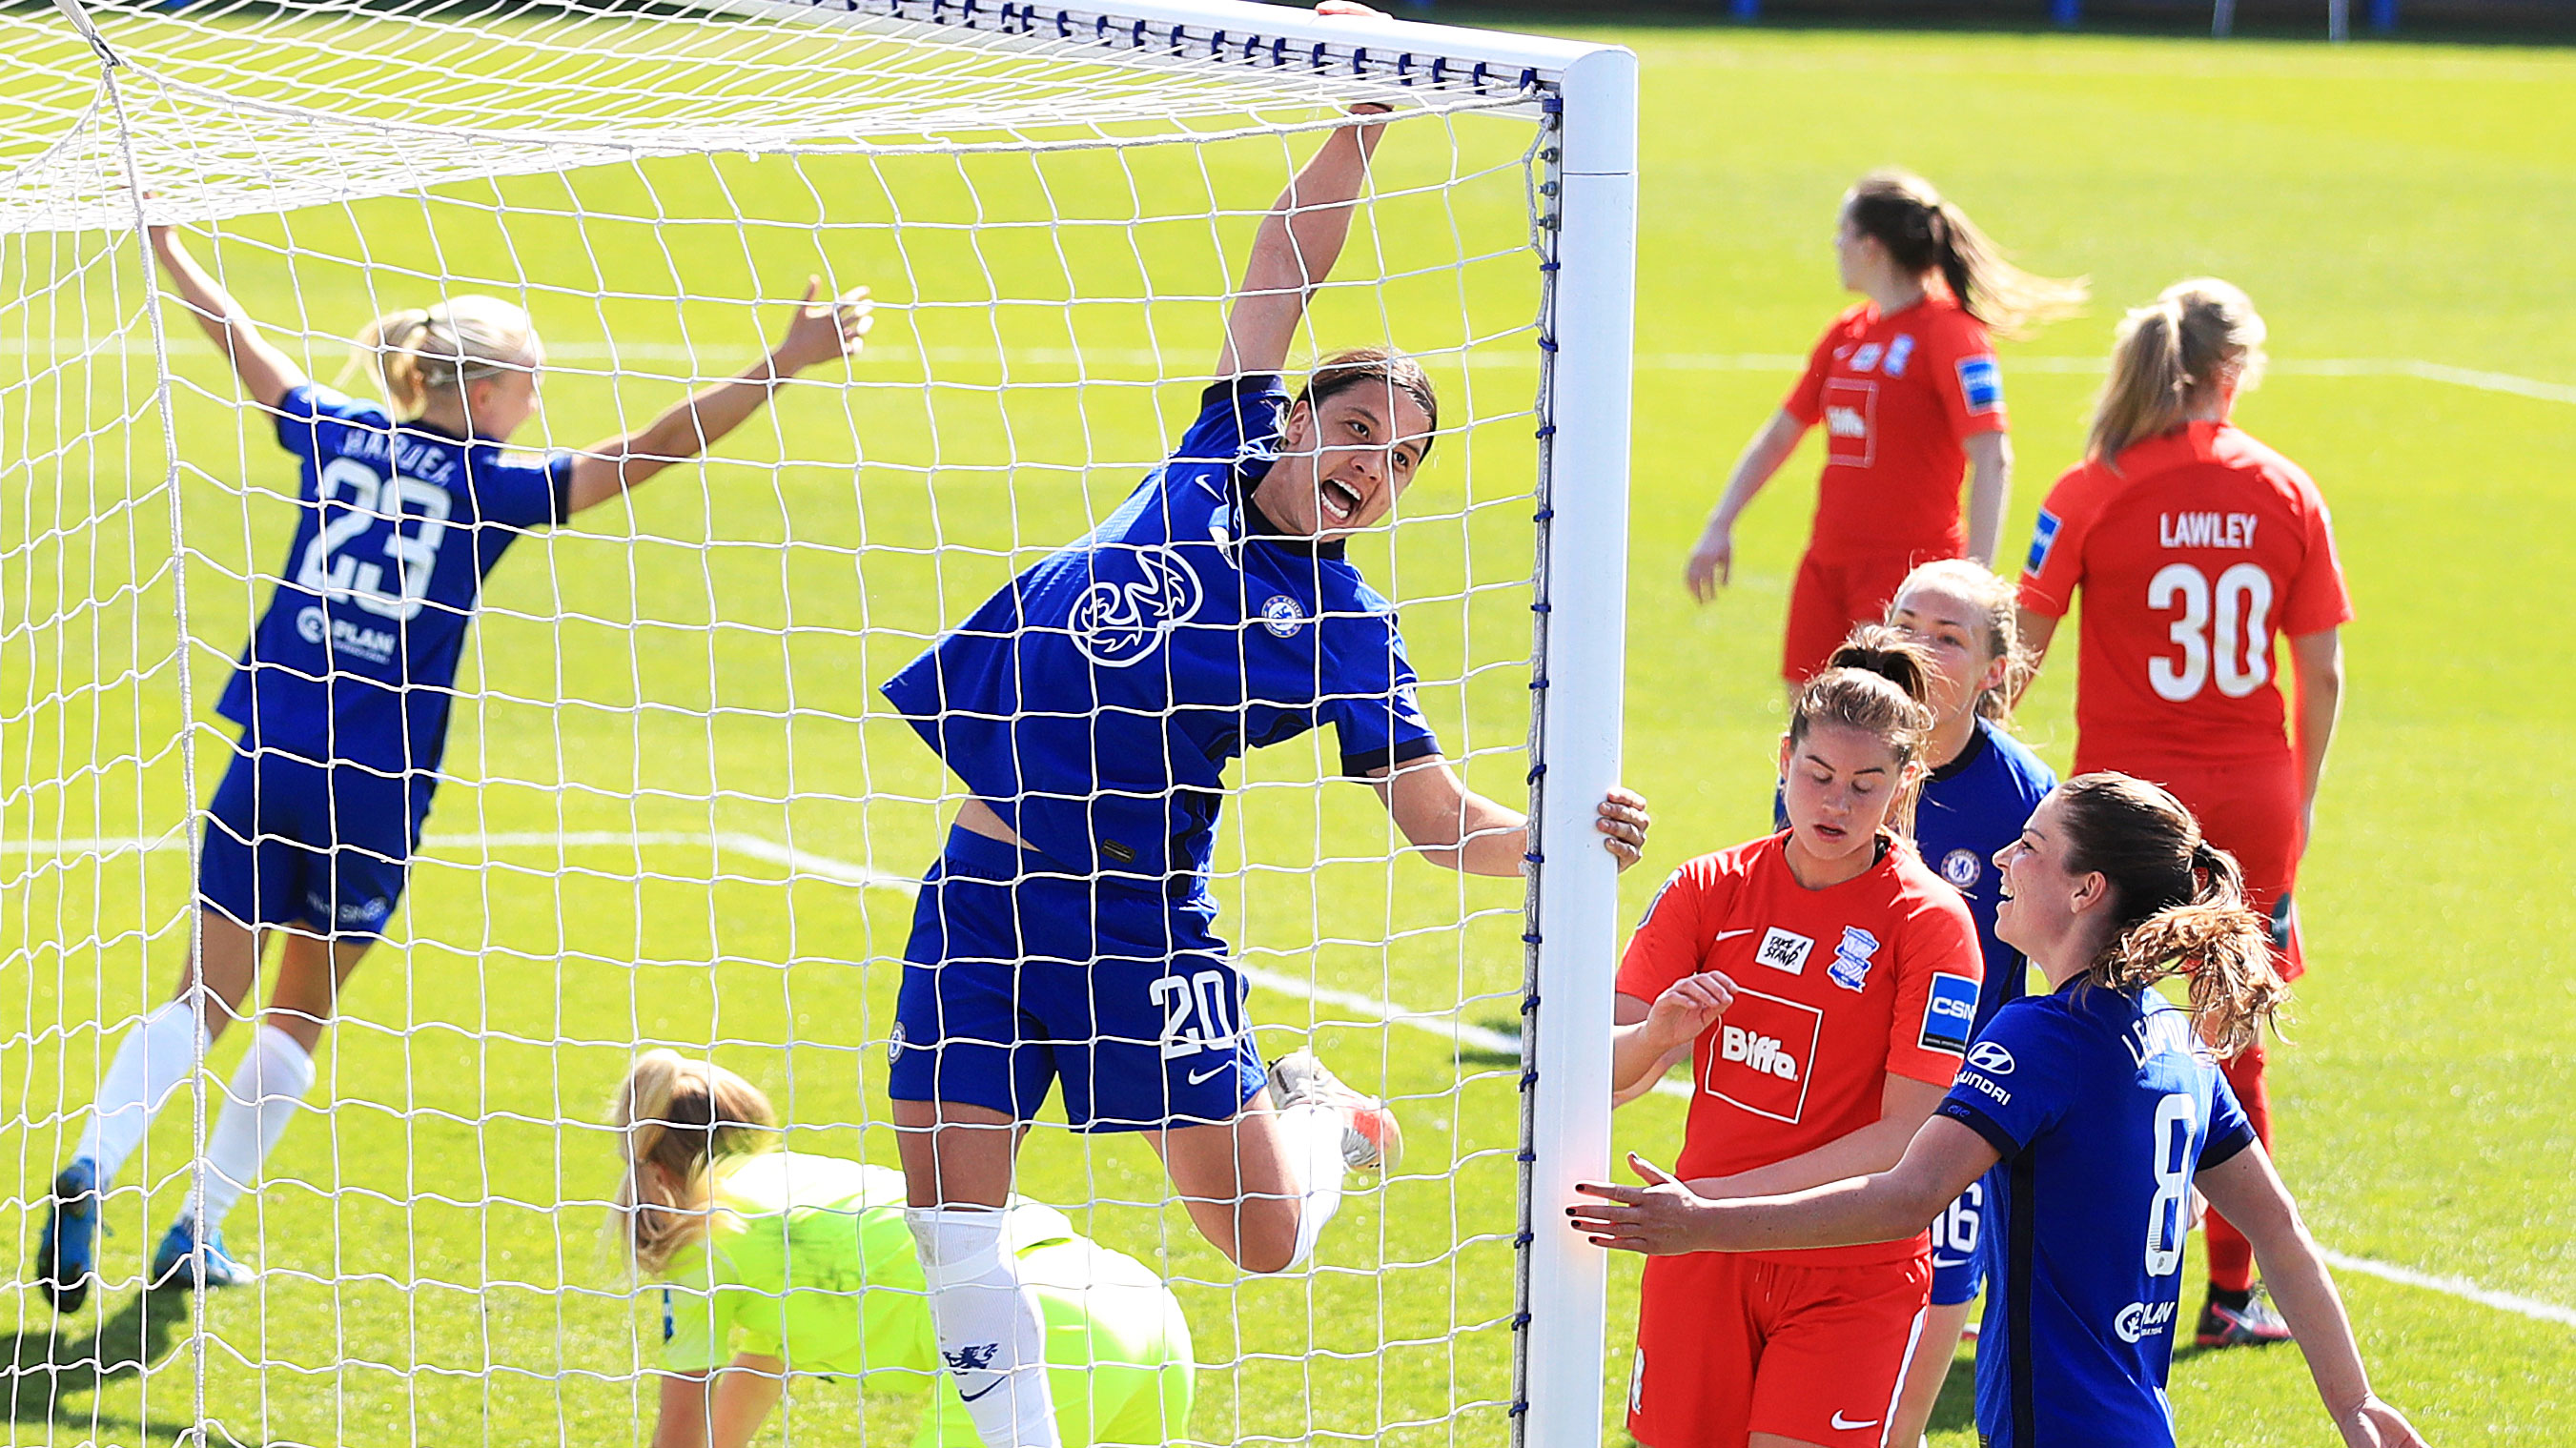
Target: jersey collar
{"x":1254,"y":526}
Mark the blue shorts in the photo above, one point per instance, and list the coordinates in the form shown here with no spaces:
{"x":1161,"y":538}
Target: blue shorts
{"x":289,"y":841}
{"x":1957,"y":1270}
{"x":1020,"y":973}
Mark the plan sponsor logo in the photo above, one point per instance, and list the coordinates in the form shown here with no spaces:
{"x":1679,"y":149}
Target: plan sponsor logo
{"x":375,"y":645}
{"x":2140,"y":1320}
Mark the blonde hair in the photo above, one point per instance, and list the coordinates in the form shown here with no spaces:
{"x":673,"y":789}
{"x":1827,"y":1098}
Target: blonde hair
{"x":676,"y":1119}
{"x":429,"y":351}
{"x":1996,"y":601}
{"x":2194,"y":337}
{"x":1924,"y":233}
{"x":2178,"y":906}
{"x":1879,"y":682}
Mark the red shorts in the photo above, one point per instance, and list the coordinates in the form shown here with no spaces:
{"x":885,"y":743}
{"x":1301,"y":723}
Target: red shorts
{"x":2250,"y":809}
{"x":1832,"y":594}
{"x":1730,"y":1345}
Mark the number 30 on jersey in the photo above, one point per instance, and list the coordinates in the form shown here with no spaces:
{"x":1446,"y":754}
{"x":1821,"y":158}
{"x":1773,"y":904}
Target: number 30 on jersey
{"x":2223,"y":631}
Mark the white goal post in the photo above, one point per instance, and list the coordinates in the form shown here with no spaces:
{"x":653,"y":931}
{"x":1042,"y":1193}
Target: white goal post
{"x":228,"y":116}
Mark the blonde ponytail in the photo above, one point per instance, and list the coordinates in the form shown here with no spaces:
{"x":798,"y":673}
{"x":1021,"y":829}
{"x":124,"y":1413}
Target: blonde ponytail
{"x":677,"y":1119}
{"x":426,"y":351}
{"x":2170,"y":355}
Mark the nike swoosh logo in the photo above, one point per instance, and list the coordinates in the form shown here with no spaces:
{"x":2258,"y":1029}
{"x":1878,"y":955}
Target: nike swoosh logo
{"x":1840,"y":1421}
{"x":1731,"y":934}
{"x":1941,"y":1261}
{"x":1200,"y":1078}
{"x":967,"y":1397}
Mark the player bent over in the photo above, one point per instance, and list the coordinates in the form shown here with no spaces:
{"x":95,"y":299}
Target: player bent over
{"x":1821,"y":982}
{"x":2089,"y":1111}
{"x":781,"y":1263}
{"x":1067,"y":935}
{"x":342,"y":697}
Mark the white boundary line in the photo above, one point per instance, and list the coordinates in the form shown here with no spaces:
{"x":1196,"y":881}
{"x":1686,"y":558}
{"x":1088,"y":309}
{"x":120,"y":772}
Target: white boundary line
{"x":1367,"y":1008}
{"x":1179,"y":368}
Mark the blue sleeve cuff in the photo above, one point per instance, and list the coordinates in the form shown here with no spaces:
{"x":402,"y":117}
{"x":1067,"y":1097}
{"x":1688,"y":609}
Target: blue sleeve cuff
{"x":2006,"y":1145}
{"x":2221,"y":1150}
{"x":1367,"y":761}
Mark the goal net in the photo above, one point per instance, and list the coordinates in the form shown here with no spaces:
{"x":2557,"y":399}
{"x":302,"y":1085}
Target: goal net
{"x":673,"y":808}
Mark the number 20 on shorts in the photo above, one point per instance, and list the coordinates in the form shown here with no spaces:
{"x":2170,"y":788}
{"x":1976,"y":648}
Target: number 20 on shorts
{"x":1198,"y":1012}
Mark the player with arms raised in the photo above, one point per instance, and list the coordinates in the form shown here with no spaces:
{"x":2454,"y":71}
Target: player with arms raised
{"x":1821,"y":982}
{"x":2196,"y":550}
{"x":2092,"y":1112}
{"x":343,"y":700}
{"x":1906,"y":386}
{"x":1067,"y":933}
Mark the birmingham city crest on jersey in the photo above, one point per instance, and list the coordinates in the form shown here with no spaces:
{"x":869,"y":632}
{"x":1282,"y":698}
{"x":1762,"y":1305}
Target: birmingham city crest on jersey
{"x":1118,"y":624}
{"x":1852,"y":958}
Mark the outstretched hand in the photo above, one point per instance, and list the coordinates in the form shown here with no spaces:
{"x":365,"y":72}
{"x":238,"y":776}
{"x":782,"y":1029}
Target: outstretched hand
{"x":1623,"y":824}
{"x":1661,"y":1218}
{"x":821,"y":331}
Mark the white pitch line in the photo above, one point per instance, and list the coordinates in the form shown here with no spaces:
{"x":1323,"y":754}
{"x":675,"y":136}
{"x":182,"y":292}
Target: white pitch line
{"x":1434,"y":1023}
{"x":1180,"y":367}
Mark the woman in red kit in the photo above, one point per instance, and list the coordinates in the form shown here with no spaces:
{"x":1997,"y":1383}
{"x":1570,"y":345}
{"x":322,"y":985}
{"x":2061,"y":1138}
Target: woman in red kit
{"x":2197,"y":550}
{"x":1906,"y":386}
{"x":1822,"y":982}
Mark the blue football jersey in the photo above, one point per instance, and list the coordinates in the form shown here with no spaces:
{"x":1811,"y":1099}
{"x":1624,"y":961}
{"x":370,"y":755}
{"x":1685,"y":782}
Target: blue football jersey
{"x":1095,"y":701}
{"x":355,"y":658}
{"x":2103,"y":1104}
{"x":1973,"y":806}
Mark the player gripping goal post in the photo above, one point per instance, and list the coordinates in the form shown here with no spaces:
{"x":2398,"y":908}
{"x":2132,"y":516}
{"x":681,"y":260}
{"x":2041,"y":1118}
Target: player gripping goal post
{"x":1228,"y":488}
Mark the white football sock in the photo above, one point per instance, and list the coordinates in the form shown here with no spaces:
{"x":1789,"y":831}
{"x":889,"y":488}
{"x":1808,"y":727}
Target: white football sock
{"x":990,"y":1332}
{"x":152,"y":1061}
{"x":1314,"y":1135}
{"x":266,"y":1091}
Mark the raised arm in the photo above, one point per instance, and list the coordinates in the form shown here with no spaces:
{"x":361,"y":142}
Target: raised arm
{"x":1295,"y":250}
{"x":818,"y":332}
{"x":265,"y":372}
{"x":2247,"y":1189}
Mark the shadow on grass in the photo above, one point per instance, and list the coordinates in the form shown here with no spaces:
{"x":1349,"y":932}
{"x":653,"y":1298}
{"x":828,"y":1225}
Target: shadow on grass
{"x":47,"y":1364}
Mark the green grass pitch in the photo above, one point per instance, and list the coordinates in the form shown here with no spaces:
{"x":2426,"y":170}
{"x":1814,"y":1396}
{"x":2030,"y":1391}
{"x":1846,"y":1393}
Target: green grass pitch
{"x":2384,"y":206}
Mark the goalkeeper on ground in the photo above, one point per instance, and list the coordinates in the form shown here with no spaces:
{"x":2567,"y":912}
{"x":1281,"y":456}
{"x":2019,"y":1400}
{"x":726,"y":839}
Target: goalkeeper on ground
{"x":782,"y":1262}
{"x":1067,"y":935}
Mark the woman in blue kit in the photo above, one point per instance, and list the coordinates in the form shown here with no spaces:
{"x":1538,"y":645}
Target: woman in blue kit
{"x":343,"y":696}
{"x":1067,"y":936}
{"x":1983,"y":786}
{"x":2092,"y":1112}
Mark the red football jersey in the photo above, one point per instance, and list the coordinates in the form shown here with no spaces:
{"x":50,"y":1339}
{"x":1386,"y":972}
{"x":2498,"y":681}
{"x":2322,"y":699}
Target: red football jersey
{"x":1898,"y":396}
{"x":1834,"y":989}
{"x":2194,"y":558}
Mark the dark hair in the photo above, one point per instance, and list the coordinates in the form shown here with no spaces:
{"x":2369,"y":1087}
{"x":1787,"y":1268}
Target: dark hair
{"x":1879,"y":682}
{"x":1923,"y":233}
{"x":2178,"y":906}
{"x":1353,"y":366}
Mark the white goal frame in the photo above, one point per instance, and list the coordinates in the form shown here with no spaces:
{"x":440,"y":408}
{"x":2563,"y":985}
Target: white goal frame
{"x":1583,"y":95}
